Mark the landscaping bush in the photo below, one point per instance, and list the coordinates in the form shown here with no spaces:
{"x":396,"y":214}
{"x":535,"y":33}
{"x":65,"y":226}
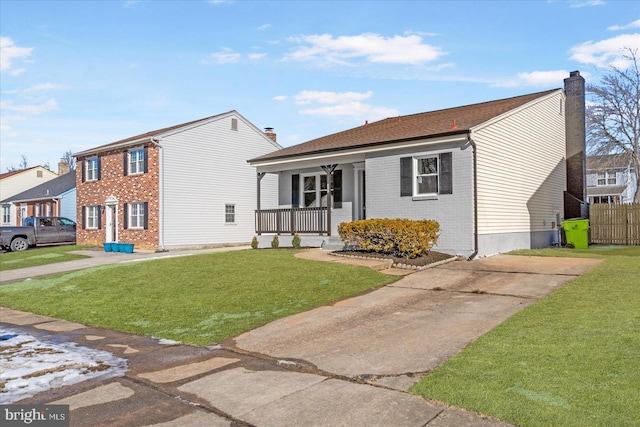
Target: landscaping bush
{"x":275,"y":243}
{"x":399,"y":237}
{"x":295,"y":241}
{"x":254,"y":242}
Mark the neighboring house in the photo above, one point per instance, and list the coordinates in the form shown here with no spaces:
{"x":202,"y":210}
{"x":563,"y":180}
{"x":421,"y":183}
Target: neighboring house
{"x":611,"y":178}
{"x":56,"y":197}
{"x":183,"y":186}
{"x":492,"y":174}
{"x":14,"y":182}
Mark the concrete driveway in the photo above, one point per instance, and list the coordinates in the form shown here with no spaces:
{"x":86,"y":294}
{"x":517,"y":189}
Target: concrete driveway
{"x":341,"y":365}
{"x":396,"y":333}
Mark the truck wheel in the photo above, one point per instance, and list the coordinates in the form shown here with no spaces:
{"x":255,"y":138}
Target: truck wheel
{"x":19,"y":244}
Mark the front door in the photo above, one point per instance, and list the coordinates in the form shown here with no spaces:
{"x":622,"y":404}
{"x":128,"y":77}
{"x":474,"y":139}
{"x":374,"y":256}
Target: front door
{"x":111,"y":224}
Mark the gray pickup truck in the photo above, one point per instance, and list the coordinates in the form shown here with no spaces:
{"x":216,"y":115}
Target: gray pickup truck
{"x":38,"y":231}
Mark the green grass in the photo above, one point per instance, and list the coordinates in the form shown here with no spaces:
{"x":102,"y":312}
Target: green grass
{"x":571,"y":359}
{"x":38,"y":256}
{"x":198,"y":299}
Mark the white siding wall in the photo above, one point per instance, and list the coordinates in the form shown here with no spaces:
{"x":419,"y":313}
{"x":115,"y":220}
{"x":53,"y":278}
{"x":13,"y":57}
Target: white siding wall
{"x":23,"y":181}
{"x":205,"y":168}
{"x":521,"y":169}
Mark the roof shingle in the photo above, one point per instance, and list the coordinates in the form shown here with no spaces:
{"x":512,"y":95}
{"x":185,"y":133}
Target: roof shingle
{"x":402,"y":128}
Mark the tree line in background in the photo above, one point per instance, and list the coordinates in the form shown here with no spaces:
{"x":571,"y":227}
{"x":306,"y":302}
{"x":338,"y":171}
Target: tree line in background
{"x":24,"y":162}
{"x":613,"y":114}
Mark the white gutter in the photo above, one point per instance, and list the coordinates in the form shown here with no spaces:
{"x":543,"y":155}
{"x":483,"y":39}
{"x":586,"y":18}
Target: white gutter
{"x":354,"y":152}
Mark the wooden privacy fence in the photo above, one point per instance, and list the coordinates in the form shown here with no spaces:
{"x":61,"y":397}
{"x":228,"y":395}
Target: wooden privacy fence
{"x":615,"y":224}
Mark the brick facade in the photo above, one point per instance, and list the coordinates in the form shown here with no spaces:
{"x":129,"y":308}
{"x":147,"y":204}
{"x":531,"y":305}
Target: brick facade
{"x":136,"y":188}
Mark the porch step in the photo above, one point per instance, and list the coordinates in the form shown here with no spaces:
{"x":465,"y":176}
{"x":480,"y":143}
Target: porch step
{"x":333,"y":244}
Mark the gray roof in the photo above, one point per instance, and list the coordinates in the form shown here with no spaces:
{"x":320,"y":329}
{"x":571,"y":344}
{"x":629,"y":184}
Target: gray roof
{"x":49,"y":189}
{"x":609,"y":161}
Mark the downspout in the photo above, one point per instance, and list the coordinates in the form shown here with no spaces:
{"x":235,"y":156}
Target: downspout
{"x":475,"y":196}
{"x":156,"y":142}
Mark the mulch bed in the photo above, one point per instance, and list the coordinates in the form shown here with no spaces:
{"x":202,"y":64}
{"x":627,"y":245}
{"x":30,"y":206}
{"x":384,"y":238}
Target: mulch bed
{"x":421,"y":261}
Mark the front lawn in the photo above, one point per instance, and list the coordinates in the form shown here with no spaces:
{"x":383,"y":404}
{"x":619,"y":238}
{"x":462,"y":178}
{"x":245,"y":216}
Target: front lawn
{"x":200,"y":299}
{"x":38,"y":256}
{"x":571,"y":359}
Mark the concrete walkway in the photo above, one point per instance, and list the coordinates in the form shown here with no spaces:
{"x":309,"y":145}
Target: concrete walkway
{"x":341,"y":365}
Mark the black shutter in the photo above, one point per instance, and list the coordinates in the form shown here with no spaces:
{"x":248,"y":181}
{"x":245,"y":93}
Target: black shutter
{"x":337,"y":189}
{"x":295,"y":191}
{"x":99,"y":174}
{"x":446,"y":174}
{"x":84,"y":215}
{"x":125,"y":222}
{"x":406,"y":176}
{"x":99,"y":218}
{"x":84,"y":168}
{"x":125,"y":169}
{"x":146,"y":159}
{"x":146,"y":215}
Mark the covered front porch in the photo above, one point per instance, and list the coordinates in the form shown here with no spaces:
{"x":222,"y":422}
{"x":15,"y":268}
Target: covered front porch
{"x":312,"y":202}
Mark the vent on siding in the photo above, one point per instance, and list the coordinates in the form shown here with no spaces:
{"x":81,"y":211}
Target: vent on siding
{"x":39,"y":174}
{"x":234,"y":124}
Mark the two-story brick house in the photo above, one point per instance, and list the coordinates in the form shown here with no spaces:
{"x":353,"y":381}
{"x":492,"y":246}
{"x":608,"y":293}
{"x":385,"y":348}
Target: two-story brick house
{"x":182,"y":186}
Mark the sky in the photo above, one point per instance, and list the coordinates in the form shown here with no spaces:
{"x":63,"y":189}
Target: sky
{"x":79,"y":74}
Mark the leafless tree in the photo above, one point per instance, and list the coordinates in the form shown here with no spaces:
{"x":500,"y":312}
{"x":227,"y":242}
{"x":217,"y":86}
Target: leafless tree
{"x":24,"y":164}
{"x":71,"y":161}
{"x":613,"y":116}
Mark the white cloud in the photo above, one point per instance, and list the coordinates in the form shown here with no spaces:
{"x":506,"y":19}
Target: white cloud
{"x":353,"y":109}
{"x":340,"y":104}
{"x":226,"y":56}
{"x":10,"y":52}
{"x":634,"y":24}
{"x":30,"y":109}
{"x":535,"y":78}
{"x":585,"y":3}
{"x":371,"y":47}
{"x":280,"y":98}
{"x":325,"y":97}
{"x":606,"y":52}
{"x":264,"y":27}
{"x":35,"y":88}
{"x":256,"y":56}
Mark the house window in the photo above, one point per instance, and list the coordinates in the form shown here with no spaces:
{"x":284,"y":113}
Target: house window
{"x":6,"y":214}
{"x":136,"y":215}
{"x":229,"y":213}
{"x":607,"y":178}
{"x":93,"y":169}
{"x":424,"y":176}
{"x":136,"y":161}
{"x":234,"y":124}
{"x":314,"y":189}
{"x":92,"y":219}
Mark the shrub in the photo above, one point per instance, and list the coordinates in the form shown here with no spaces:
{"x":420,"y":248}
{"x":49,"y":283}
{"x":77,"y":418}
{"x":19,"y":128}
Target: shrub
{"x":398,"y":237}
{"x":275,"y":243}
{"x":254,"y":242}
{"x":295,"y":241}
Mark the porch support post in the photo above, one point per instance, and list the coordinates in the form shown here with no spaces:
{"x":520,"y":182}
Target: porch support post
{"x":328,"y":169}
{"x":258,"y":213}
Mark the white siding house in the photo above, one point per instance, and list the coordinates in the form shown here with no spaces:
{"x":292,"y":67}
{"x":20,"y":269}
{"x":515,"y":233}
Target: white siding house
{"x":183,"y":186}
{"x":15,"y":182}
{"x":494,"y":174}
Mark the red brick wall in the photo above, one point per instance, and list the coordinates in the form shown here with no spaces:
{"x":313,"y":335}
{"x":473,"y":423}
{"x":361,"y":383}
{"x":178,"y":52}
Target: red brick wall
{"x":126,"y":189}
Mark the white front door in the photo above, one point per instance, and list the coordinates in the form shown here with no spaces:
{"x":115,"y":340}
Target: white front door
{"x":111,"y":219}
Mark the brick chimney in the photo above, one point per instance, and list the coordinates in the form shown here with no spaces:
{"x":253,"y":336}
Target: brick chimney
{"x":63,"y":167}
{"x":270,"y":133}
{"x":576,"y":195}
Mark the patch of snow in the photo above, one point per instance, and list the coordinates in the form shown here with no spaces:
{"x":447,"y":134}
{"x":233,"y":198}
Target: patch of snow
{"x":165,"y":341}
{"x":286,"y":362}
{"x":29,"y":366}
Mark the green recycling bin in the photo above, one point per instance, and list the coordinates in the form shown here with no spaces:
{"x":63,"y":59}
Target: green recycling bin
{"x":577,"y":232}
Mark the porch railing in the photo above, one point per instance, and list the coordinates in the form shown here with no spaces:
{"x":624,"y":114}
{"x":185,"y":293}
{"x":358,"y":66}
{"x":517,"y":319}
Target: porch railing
{"x":294,"y":220}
